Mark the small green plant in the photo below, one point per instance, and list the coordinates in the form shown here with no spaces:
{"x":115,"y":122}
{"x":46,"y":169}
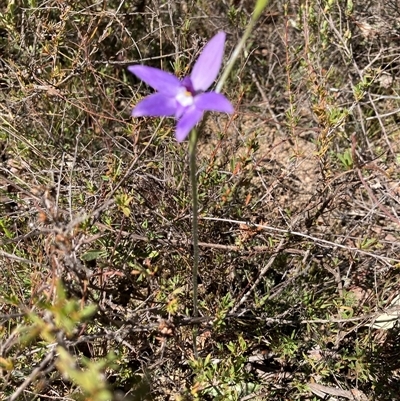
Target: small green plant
{"x":346,"y":159}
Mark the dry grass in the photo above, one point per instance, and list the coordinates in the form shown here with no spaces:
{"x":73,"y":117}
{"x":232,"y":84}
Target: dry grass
{"x":299,"y":196}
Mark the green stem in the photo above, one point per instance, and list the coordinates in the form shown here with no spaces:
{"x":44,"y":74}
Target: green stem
{"x":261,"y":4}
{"x":234,"y":56}
{"x":195,"y":229}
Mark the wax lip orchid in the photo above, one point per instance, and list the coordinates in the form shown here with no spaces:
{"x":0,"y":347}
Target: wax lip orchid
{"x":186,"y":99}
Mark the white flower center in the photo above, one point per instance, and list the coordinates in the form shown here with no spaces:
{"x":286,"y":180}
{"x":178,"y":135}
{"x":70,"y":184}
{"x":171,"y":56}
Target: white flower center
{"x":184,"y":97}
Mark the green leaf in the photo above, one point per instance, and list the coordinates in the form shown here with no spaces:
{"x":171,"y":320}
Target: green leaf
{"x":92,"y":255}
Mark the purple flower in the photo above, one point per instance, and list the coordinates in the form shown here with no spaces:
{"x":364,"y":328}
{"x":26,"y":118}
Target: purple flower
{"x":186,"y":99}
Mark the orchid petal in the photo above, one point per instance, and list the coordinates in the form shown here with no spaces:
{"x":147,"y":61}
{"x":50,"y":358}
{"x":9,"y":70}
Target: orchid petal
{"x":155,"y":105}
{"x":213,"y":101}
{"x":209,"y":63}
{"x":162,"y":81}
{"x":189,"y":119}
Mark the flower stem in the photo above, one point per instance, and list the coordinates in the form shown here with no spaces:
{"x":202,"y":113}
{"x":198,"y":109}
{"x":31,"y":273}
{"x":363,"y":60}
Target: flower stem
{"x":195,"y":228}
{"x":260,"y":6}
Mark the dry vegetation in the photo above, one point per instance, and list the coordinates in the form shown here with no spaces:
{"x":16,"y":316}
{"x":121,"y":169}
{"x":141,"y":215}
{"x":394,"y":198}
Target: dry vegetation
{"x":299,"y":195}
